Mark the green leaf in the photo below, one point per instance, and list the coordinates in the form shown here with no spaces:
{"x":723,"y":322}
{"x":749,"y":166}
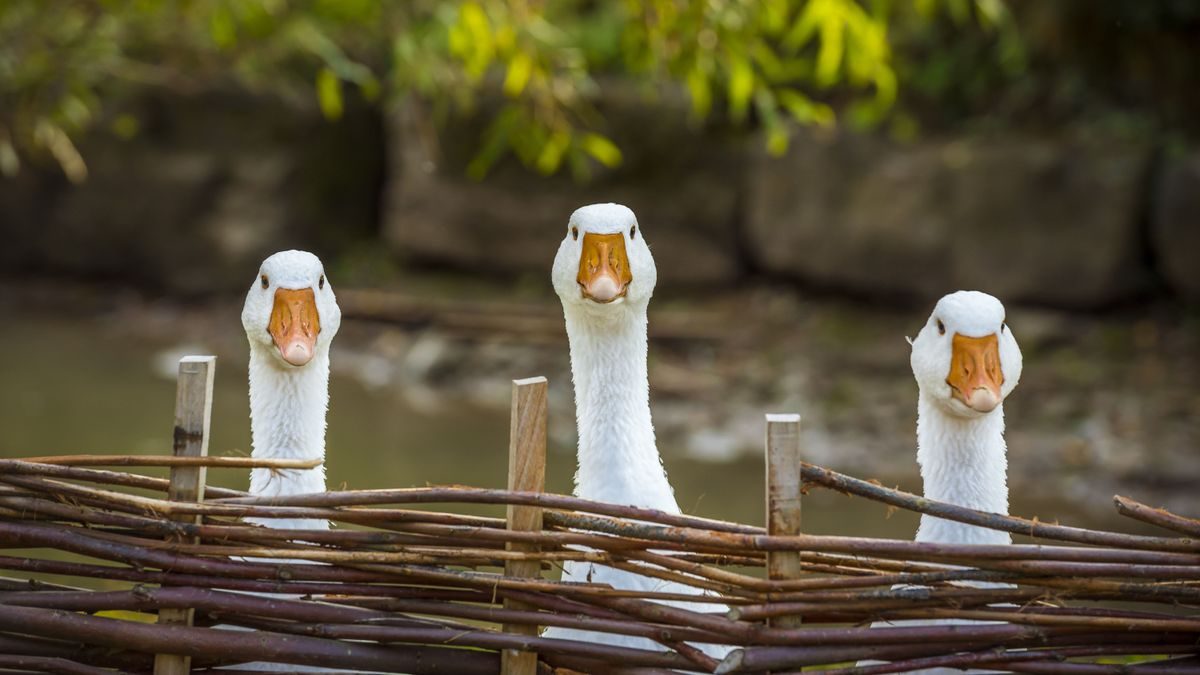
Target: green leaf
{"x":601,"y":149}
{"x":829,"y":58}
{"x":520,"y":67}
{"x":804,"y":110}
{"x":806,"y":25}
{"x":329,"y":94}
{"x":222,"y":28}
{"x":552,"y":151}
{"x":741,"y":86}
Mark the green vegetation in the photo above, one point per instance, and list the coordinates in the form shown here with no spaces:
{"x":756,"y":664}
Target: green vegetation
{"x":66,"y":65}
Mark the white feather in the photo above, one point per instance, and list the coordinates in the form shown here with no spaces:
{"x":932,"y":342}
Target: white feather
{"x":617,"y":454}
{"x":961,"y":452}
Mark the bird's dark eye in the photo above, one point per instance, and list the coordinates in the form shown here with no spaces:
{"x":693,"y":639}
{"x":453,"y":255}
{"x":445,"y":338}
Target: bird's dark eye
{"x":575,"y":233}
{"x":941,"y":327}
{"x":1003,"y":326}
{"x":321,"y":282}
{"x":633,"y":232}
{"x":265,"y":283}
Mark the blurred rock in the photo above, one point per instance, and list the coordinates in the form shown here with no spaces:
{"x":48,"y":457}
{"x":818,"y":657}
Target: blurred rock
{"x":680,"y":182}
{"x":1176,"y":227}
{"x":196,"y":199}
{"x":1027,"y":220}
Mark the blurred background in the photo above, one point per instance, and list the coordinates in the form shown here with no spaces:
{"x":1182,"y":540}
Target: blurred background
{"x":811,"y":175}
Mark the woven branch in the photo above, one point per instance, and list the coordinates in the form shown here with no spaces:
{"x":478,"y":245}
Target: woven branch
{"x":393,"y":593}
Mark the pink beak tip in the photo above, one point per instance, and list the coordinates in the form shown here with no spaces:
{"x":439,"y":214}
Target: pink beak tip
{"x":296,"y":353}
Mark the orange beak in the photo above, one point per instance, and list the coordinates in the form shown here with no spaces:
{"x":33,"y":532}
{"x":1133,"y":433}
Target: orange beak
{"x":604,"y":272}
{"x":975,"y":375}
{"x":295,"y":324}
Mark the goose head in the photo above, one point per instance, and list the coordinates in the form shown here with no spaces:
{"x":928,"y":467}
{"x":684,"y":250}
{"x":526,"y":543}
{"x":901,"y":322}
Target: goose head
{"x":603,"y":265}
{"x":965,"y":358}
{"x":290,"y":311}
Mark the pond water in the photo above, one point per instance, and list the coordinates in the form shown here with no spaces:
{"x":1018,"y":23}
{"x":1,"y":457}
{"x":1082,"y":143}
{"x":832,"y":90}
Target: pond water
{"x":73,"y":386}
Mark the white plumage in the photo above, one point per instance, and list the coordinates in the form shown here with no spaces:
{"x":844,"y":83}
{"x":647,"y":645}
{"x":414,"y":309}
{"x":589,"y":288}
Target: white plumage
{"x":604,"y":275}
{"x":288,"y":402}
{"x":290,"y":316}
{"x":961,"y":450}
{"x":966,"y":362}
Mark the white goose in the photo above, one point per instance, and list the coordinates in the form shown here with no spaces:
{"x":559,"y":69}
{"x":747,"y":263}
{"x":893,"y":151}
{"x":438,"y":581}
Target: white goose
{"x":604,"y":275}
{"x":290,"y":317}
{"x":966,"y":362}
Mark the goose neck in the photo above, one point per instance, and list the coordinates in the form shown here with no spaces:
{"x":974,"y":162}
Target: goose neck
{"x":963,"y":461}
{"x":618,"y":458}
{"x":287,"y":419}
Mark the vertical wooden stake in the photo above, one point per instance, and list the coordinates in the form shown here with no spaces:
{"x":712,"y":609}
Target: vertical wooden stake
{"x":193,"y":412}
{"x":527,"y":473}
{"x":783,"y":500}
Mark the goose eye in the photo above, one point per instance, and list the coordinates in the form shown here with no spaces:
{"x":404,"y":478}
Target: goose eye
{"x":321,"y":282}
{"x":941,"y":327}
{"x":633,"y":232}
{"x":575,"y":233}
{"x":1003,"y":326}
{"x":265,"y":283}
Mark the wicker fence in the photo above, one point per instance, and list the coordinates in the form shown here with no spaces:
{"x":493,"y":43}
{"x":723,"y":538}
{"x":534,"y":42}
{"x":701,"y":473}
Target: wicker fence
{"x":396,"y":589}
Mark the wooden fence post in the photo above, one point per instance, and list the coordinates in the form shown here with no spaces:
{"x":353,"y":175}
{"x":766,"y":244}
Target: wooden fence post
{"x":783,"y":500}
{"x":527,"y":473}
{"x":193,"y":412}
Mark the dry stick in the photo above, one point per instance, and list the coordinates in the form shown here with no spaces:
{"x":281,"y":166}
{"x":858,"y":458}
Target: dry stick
{"x":50,"y":664}
{"x":483,"y":639}
{"x":718,"y":540}
{"x":24,"y":645}
{"x":1148,"y":592}
{"x":783,"y":502}
{"x":20,"y":467}
{"x":526,"y":473}
{"x":470,"y":495}
{"x":27,"y":535}
{"x":1131,"y":590}
{"x":911,"y":502}
{"x":811,"y":473}
{"x":145,"y":505}
{"x":947,"y":552}
{"x":728,"y":590}
{"x":1043,"y":668}
{"x":163,"y":460}
{"x":245,"y":646}
{"x":193,"y":414}
{"x":246,"y":533}
{"x":788,"y":658}
{"x":854,"y":545}
{"x":743,"y":633}
{"x":447,"y":595}
{"x":998,"y":657}
{"x":1160,"y":517}
{"x":622,"y":626}
{"x":1164,"y":624}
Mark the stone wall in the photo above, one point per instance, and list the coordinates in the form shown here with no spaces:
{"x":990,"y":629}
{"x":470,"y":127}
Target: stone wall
{"x":1053,"y":222}
{"x":1058,"y":221}
{"x":214,"y":182}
